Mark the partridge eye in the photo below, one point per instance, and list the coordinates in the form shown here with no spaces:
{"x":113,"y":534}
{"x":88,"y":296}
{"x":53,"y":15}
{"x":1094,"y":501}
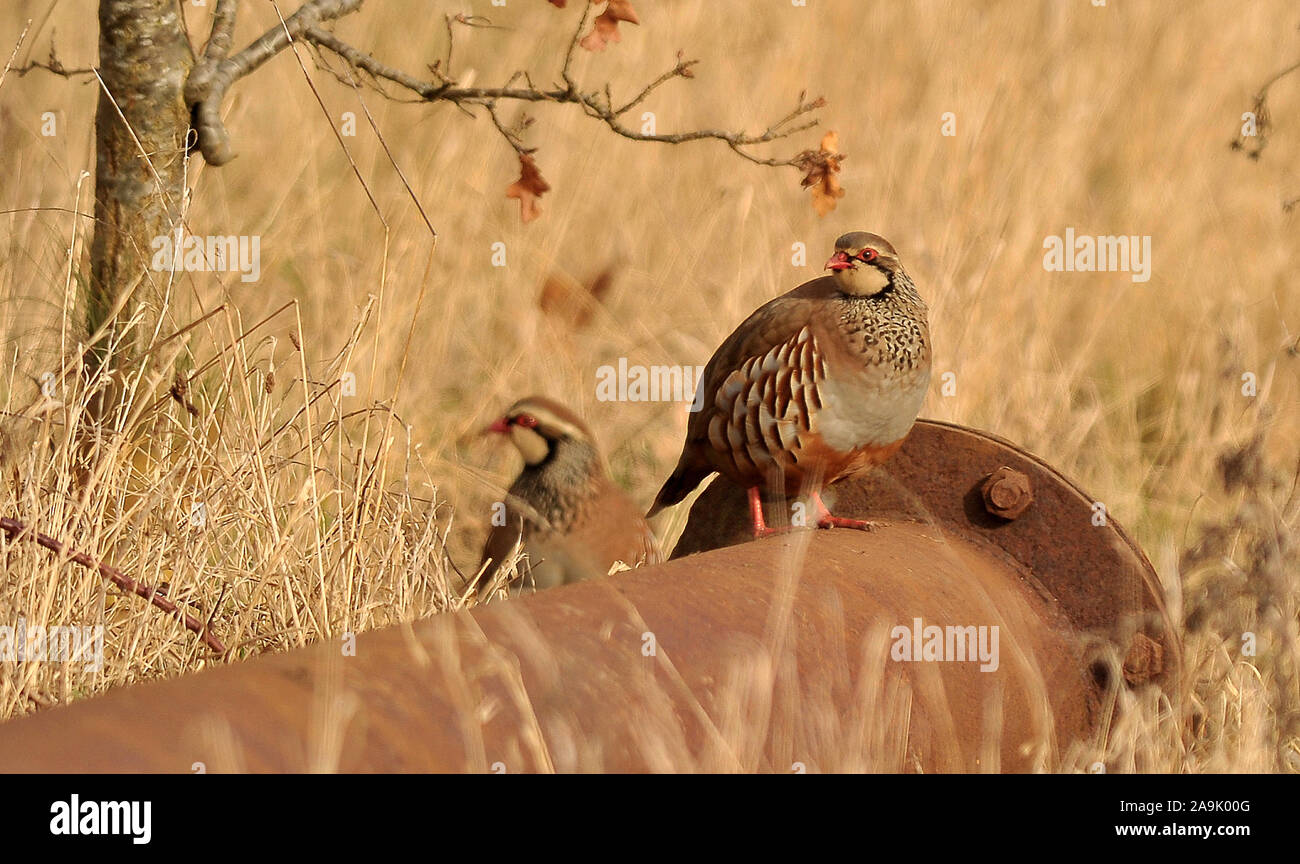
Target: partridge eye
{"x":528,"y":421}
{"x":868,"y":255}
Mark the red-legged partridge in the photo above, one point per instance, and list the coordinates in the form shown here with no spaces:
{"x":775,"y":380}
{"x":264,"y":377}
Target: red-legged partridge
{"x":573,"y":521}
{"x":820,"y":383}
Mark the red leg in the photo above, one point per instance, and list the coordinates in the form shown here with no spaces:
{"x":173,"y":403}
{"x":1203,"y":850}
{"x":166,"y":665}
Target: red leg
{"x":826,"y":520}
{"x":756,"y":515}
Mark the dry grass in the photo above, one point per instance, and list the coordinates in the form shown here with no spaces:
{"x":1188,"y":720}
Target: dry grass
{"x":328,"y":513}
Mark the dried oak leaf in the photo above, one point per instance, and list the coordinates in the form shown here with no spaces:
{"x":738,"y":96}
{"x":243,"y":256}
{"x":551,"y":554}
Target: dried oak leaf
{"x":528,"y":188}
{"x":605,"y":27}
{"x":820,"y":167}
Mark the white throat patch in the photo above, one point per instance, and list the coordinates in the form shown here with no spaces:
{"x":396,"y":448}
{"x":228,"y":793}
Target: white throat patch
{"x":862,"y":281}
{"x":530,"y":444}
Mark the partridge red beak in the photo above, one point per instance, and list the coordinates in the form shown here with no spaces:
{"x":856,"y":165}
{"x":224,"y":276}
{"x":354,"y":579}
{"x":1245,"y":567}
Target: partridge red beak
{"x":502,"y":425}
{"x":839,"y":261}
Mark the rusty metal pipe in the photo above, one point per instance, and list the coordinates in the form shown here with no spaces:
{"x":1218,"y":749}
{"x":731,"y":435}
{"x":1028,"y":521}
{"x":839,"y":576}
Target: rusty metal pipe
{"x":773,"y":655}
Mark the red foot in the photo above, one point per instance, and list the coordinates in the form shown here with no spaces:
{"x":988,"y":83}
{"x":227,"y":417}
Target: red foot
{"x":841,"y":522}
{"x":826,"y":520}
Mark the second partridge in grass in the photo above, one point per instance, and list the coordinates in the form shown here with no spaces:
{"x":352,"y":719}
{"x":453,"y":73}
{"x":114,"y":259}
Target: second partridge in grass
{"x":573,"y":521}
{"x":816,"y":385}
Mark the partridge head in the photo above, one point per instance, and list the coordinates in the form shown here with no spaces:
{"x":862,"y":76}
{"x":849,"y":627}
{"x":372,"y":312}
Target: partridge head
{"x":816,"y":385}
{"x":863,"y":264}
{"x":570,"y":517}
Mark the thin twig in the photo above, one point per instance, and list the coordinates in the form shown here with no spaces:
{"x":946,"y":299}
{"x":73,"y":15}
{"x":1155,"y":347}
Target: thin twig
{"x":55,"y":68}
{"x":573,"y":47}
{"x":681,"y":70}
{"x":512,"y":137}
{"x":18,"y":531}
{"x":53,"y":65}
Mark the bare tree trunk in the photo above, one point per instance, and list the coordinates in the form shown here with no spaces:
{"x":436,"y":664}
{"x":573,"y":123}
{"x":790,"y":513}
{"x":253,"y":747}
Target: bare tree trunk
{"x":144,"y":58}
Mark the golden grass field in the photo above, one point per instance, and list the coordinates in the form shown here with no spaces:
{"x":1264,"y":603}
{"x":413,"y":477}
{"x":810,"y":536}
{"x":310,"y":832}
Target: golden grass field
{"x":1110,"y":120}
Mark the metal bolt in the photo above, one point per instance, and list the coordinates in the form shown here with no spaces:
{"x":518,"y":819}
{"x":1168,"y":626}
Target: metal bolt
{"x":1006,"y":493}
{"x":1145,"y":659}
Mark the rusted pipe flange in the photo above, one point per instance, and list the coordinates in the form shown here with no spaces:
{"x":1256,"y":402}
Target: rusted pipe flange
{"x":1064,"y":541}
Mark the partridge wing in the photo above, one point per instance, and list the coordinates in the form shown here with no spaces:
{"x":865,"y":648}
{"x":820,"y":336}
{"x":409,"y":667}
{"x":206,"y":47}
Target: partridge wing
{"x":762,"y":390}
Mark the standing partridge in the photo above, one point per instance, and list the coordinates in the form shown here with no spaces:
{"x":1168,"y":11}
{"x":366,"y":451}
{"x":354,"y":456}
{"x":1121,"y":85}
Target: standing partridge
{"x":573,"y":521}
{"x":818,"y":384}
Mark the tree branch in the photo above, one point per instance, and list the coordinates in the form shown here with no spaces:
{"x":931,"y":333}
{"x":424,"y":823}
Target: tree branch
{"x":681,"y":70}
{"x":53,"y":65}
{"x":217,"y":49}
{"x":18,"y":531}
{"x":573,"y":47}
{"x":513,"y":136}
{"x":55,"y":68}
{"x":207,"y":90}
{"x":590,"y":102}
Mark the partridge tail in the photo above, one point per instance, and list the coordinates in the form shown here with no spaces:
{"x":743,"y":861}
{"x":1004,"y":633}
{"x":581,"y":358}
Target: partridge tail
{"x":683,"y":481}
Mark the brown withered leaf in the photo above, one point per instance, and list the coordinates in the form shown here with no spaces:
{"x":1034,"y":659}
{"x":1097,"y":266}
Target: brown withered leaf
{"x":605,"y":26}
{"x":528,"y":188}
{"x":820,"y":167}
{"x":565,"y":298}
